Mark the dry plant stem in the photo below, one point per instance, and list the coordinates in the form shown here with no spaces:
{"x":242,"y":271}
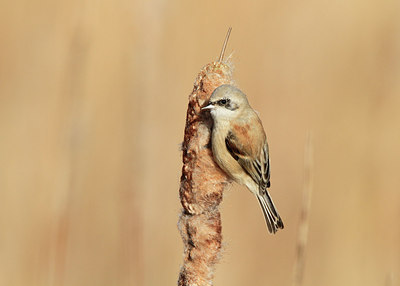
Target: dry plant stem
{"x":221,"y":56}
{"x":304,"y":215}
{"x":202,"y":183}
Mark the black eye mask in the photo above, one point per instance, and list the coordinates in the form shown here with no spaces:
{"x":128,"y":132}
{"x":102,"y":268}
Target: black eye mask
{"x":227,"y":103}
{"x":223,"y":102}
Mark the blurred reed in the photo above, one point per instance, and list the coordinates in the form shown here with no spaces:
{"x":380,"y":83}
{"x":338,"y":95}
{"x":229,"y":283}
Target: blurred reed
{"x":300,"y":259}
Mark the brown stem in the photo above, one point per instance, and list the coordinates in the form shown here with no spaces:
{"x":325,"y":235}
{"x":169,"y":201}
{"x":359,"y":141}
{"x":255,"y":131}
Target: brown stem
{"x":202,"y":183}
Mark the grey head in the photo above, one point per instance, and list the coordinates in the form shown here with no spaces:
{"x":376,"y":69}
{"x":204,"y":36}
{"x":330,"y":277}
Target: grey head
{"x":227,"y":102}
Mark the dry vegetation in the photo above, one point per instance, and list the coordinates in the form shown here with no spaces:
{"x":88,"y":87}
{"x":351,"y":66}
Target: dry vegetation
{"x":93,"y":99}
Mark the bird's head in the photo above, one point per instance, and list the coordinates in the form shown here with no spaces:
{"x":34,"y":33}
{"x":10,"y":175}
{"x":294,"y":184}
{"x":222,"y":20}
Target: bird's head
{"x":226,"y":102}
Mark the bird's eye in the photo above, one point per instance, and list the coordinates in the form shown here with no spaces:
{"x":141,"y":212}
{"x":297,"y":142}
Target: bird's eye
{"x":223,"y":101}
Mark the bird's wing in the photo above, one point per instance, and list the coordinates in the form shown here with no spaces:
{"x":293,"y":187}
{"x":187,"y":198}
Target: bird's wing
{"x":252,"y":158}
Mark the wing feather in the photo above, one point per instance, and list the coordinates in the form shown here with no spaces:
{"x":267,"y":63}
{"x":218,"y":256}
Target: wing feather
{"x":257,"y":168}
{"x":255,"y":162}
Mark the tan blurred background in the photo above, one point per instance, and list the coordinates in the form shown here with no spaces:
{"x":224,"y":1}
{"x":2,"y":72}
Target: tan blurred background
{"x":93,"y":98}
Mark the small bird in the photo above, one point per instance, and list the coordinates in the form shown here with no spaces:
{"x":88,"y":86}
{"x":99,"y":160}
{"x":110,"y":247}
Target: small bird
{"x":240,"y":148}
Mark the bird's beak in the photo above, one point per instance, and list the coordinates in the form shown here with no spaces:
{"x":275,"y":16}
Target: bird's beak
{"x":210,"y":106}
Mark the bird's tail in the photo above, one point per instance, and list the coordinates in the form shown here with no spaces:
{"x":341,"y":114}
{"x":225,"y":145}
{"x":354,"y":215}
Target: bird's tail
{"x":274,"y":221}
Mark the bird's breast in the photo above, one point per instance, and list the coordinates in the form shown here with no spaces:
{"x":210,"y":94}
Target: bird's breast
{"x":221,"y":154}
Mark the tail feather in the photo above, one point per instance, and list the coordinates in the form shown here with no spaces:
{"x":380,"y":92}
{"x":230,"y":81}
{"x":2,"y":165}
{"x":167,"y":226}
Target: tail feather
{"x":272,"y":218}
